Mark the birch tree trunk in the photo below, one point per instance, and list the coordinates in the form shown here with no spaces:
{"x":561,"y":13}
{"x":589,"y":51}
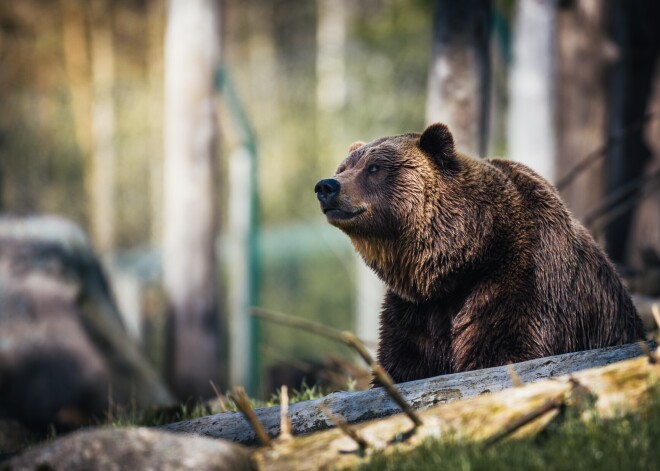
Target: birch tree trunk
{"x":192,"y":51}
{"x":459,"y":77}
{"x":331,"y":95}
{"x":531,"y":131}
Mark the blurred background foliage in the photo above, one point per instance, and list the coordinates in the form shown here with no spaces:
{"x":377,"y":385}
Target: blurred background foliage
{"x":269,"y":50}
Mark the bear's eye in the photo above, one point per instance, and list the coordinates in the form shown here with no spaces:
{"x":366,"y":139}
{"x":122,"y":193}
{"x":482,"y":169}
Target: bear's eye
{"x":373,"y":168}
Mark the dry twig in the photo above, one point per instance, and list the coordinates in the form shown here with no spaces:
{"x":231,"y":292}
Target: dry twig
{"x":647,"y":351}
{"x":351,"y":340}
{"x":220,"y":396}
{"x":525,"y":419}
{"x":299,"y":323}
{"x":285,"y":422}
{"x":336,"y":380}
{"x":339,"y":422}
{"x":655,"y":309}
{"x":613,"y":208}
{"x":242,"y":401}
{"x":515,"y":379}
{"x":387,"y":383}
{"x":602,"y":151}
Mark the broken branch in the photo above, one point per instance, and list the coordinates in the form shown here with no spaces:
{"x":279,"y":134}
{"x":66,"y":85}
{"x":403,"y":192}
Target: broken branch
{"x":242,"y":402}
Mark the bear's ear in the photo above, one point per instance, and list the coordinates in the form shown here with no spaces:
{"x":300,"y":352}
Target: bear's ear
{"x":355,"y":146}
{"x":437,"y":142}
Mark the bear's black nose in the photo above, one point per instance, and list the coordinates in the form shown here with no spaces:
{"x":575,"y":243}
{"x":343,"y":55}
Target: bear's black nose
{"x":327,"y":189}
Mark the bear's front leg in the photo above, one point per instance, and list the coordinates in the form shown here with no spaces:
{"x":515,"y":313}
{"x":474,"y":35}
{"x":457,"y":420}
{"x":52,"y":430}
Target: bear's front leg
{"x":495,"y":333}
{"x":414,"y":340}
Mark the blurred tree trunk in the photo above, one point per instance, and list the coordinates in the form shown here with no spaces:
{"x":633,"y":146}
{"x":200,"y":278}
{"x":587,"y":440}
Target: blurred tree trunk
{"x":102,"y":175}
{"x":331,"y":19}
{"x":76,"y":61}
{"x":331,"y":94}
{"x":330,"y":55}
{"x":643,"y":250}
{"x":583,"y":52}
{"x":459,"y":76}
{"x":192,"y":52}
{"x":531,"y":131}
{"x":635,"y":32}
{"x":264,"y":82}
{"x":155,"y":20}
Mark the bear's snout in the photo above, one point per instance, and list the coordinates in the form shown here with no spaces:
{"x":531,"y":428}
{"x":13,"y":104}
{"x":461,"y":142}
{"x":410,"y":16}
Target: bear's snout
{"x":327,"y":189}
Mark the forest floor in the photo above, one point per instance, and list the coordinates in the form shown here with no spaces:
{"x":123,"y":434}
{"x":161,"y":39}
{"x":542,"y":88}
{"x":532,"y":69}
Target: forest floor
{"x":571,"y":443}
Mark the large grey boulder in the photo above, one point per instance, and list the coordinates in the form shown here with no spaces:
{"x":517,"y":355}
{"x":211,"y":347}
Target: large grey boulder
{"x":110,"y":449}
{"x":65,"y":357}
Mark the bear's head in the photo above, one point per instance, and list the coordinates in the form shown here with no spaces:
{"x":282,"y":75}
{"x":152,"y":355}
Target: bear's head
{"x":405,"y":203}
{"x":381,"y":185}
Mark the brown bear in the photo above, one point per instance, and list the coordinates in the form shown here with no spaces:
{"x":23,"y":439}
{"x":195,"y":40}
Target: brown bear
{"x":483,"y":262}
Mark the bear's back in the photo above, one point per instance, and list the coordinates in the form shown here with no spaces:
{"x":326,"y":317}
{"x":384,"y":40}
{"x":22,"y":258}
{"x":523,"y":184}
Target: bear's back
{"x":580,"y":294}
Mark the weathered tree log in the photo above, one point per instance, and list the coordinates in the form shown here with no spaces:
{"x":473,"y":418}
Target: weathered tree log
{"x":359,"y":406}
{"x":608,"y":392}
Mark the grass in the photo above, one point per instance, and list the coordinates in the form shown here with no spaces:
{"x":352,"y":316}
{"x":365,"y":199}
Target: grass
{"x":127,"y":417}
{"x":631,"y":442}
{"x":131,"y":416}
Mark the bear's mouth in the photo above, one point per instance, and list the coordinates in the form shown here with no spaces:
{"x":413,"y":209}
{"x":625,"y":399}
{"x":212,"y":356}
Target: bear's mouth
{"x":342,"y":215}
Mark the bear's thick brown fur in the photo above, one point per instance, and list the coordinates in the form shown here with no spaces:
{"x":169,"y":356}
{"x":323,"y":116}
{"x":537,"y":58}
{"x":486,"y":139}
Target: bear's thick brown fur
{"x":483,"y":262}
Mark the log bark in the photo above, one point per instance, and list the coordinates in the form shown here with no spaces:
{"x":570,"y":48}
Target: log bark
{"x":359,"y":406}
{"x":608,"y":392}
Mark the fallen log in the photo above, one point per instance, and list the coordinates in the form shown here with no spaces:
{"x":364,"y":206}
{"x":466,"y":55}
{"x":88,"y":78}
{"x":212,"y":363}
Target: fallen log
{"x":360,"y":406}
{"x":607,"y":392}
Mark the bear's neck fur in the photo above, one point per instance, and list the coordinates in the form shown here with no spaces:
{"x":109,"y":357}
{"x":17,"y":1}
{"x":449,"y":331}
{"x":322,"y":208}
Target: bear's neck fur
{"x":434,"y":259}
